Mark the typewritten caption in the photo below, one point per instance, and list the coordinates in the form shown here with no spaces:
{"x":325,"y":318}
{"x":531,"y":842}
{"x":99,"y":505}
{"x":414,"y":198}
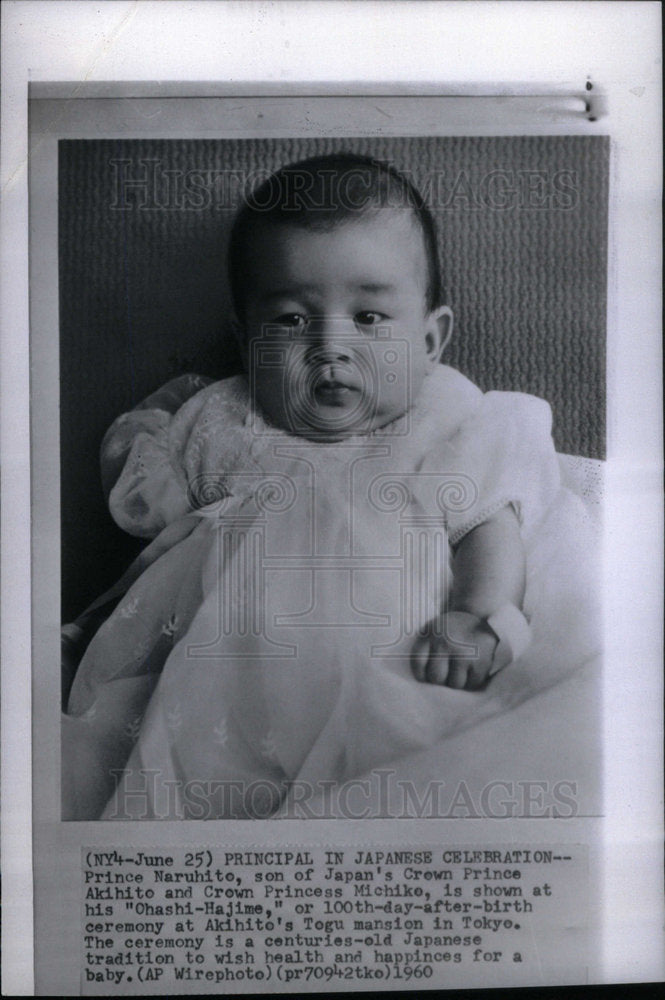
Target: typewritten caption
{"x":305,"y":919}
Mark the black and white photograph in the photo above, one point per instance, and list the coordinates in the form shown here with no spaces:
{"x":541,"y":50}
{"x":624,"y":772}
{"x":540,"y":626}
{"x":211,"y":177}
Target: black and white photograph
{"x":342,"y":465}
{"x":371,"y":489}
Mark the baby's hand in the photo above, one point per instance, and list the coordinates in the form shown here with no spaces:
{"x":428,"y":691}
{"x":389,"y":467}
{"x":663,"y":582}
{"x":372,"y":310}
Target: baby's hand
{"x":456,"y":650}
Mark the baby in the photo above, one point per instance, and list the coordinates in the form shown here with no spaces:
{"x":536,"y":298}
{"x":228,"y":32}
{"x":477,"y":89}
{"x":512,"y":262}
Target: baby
{"x":341,"y":325}
{"x":349,"y":248}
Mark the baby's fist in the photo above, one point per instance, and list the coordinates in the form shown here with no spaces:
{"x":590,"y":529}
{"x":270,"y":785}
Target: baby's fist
{"x":456,"y":650}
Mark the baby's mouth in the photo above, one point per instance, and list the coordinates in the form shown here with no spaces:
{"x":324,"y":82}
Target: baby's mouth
{"x":333,"y":393}
{"x":334,"y":385}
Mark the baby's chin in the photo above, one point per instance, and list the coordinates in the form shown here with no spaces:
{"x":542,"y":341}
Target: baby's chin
{"x":337,"y":430}
{"x":329,"y":422}
{"x":331,"y":435}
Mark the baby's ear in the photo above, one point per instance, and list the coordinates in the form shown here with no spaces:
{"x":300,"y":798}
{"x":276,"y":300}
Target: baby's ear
{"x":438,"y":333}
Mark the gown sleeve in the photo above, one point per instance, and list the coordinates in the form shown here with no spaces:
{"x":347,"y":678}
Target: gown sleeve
{"x":501,"y":455}
{"x":146,"y":490}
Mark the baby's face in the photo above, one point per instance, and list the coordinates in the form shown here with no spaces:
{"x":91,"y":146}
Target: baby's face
{"x":337,"y":335}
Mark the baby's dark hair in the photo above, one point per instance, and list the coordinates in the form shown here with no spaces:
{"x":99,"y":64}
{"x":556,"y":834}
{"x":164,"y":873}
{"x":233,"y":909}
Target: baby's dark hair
{"x":321,"y":193}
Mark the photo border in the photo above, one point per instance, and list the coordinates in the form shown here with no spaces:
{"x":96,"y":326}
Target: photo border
{"x":636,"y":482}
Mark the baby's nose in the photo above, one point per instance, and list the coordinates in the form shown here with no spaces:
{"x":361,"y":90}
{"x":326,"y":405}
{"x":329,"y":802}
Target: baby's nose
{"x":332,"y":337}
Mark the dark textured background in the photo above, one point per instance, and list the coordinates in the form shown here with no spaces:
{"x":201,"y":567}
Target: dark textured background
{"x":143,"y":293}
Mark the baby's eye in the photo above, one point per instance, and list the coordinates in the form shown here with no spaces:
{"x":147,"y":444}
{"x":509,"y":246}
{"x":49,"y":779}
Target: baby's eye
{"x":293,"y":320}
{"x":369,"y":317}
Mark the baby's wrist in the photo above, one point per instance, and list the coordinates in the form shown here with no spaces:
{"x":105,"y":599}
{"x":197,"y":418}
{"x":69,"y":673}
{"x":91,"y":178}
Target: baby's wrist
{"x":513,"y":633}
{"x":461,"y":622}
{"x":507,"y":624}
{"x":463,"y":613}
{"x":467,"y":626}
